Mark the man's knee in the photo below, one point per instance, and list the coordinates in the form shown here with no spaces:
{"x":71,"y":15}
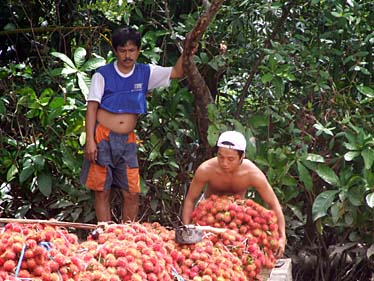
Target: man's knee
{"x":103,"y":196}
{"x":130,"y":196}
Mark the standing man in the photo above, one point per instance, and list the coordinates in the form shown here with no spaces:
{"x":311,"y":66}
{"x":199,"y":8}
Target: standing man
{"x":117,"y":96}
{"x":229,"y":173}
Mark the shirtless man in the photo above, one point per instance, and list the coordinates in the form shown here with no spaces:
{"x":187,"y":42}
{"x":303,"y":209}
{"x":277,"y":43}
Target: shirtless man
{"x":229,"y":173}
{"x":117,"y":96}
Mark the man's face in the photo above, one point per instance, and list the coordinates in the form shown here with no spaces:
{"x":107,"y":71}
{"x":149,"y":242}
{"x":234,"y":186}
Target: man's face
{"x":228,"y":159}
{"x":127,"y":55}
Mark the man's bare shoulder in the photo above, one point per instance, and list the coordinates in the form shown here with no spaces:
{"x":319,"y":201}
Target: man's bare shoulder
{"x":249,"y":168}
{"x":248,"y":164}
{"x":207,"y":167}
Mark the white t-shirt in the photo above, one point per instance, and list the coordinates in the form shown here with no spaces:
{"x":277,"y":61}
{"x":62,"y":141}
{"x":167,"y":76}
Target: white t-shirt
{"x":159,"y":77}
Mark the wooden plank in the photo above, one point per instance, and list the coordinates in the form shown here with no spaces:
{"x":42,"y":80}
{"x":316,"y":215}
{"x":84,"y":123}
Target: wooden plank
{"x":49,"y":222}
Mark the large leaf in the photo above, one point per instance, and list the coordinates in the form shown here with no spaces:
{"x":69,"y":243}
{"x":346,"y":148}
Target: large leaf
{"x":45,"y":183}
{"x":356,"y":195}
{"x":79,"y":56}
{"x":83,"y":84}
{"x":370,"y":200}
{"x":305,"y":176}
{"x":370,"y":251}
{"x":335,"y":212}
{"x":368,"y":155}
{"x":76,"y":213}
{"x":213,"y":134}
{"x":266,"y":78}
{"x":367,"y":91}
{"x":39,"y":161}
{"x":26,"y":173}
{"x":328,"y":175}
{"x":68,"y":70}
{"x":315,"y":158}
{"x":2,"y":107}
{"x":349,"y":156}
{"x":93,"y":64}
{"x":257,"y":121}
{"x":322,"y":203}
{"x":12,"y":171}
{"x":64,"y":58}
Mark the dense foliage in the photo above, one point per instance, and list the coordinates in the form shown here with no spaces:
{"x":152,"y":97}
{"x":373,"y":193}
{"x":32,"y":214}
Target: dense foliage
{"x":295,"y":77}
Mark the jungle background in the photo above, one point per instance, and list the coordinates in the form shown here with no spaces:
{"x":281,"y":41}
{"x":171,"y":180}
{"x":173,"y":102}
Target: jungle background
{"x":296,"y":77}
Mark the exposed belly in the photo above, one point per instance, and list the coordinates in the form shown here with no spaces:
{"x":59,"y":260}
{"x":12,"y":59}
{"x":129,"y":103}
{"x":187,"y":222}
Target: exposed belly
{"x":119,"y":123}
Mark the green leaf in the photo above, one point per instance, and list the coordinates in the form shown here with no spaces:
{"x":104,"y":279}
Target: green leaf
{"x":349,"y":156}
{"x":2,"y":107}
{"x":348,"y":218}
{"x":296,"y":211}
{"x":266,"y":78}
{"x":258,"y":121}
{"x":61,"y":203}
{"x":315,"y":158}
{"x":79,"y":56}
{"x":278,"y":85}
{"x":322,"y":203}
{"x":319,"y":227}
{"x":214,"y":65}
{"x":76,"y":213}
{"x":45,"y":183}
{"x":370,"y":251}
{"x":82,"y":138}
{"x":26,"y":173}
{"x":327,"y":174}
{"x":335,"y":213}
{"x":355,"y":196}
{"x":64,"y":58}
{"x":213,"y":134}
{"x":354,"y":236}
{"x":367,"y":91}
{"x":370,"y":200}
{"x":82,"y":84}
{"x":57,"y":102}
{"x":305,"y":176}
{"x":68,"y":70}
{"x":337,"y":15}
{"x":93,"y":64}
{"x":39,"y":161}
{"x":368,"y":155}
{"x":204,"y":57}
{"x":350,"y":146}
{"x":13,"y":170}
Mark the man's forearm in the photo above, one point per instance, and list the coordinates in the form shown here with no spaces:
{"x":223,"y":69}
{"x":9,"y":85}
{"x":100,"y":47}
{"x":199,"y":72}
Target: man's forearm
{"x":187,"y":212}
{"x":177,"y":71}
{"x":281,"y":221}
{"x":90,"y":121}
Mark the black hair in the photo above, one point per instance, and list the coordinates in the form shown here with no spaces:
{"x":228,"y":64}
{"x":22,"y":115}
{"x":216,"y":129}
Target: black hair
{"x":123,"y":35}
{"x":240,"y":152}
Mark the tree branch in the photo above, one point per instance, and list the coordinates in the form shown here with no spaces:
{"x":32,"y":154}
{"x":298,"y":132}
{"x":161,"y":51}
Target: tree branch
{"x":256,"y":64}
{"x":47,"y":29}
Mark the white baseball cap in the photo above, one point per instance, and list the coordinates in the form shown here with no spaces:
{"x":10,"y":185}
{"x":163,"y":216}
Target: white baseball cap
{"x":237,"y":139}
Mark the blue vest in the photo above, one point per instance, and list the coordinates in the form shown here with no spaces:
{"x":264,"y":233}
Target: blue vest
{"x":125,"y":95}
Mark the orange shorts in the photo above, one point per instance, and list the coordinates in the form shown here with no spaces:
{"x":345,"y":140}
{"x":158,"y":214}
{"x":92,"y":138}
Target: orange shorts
{"x":116,"y":165}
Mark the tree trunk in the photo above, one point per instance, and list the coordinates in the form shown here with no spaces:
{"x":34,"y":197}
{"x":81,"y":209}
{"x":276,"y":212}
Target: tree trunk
{"x":195,"y":80}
